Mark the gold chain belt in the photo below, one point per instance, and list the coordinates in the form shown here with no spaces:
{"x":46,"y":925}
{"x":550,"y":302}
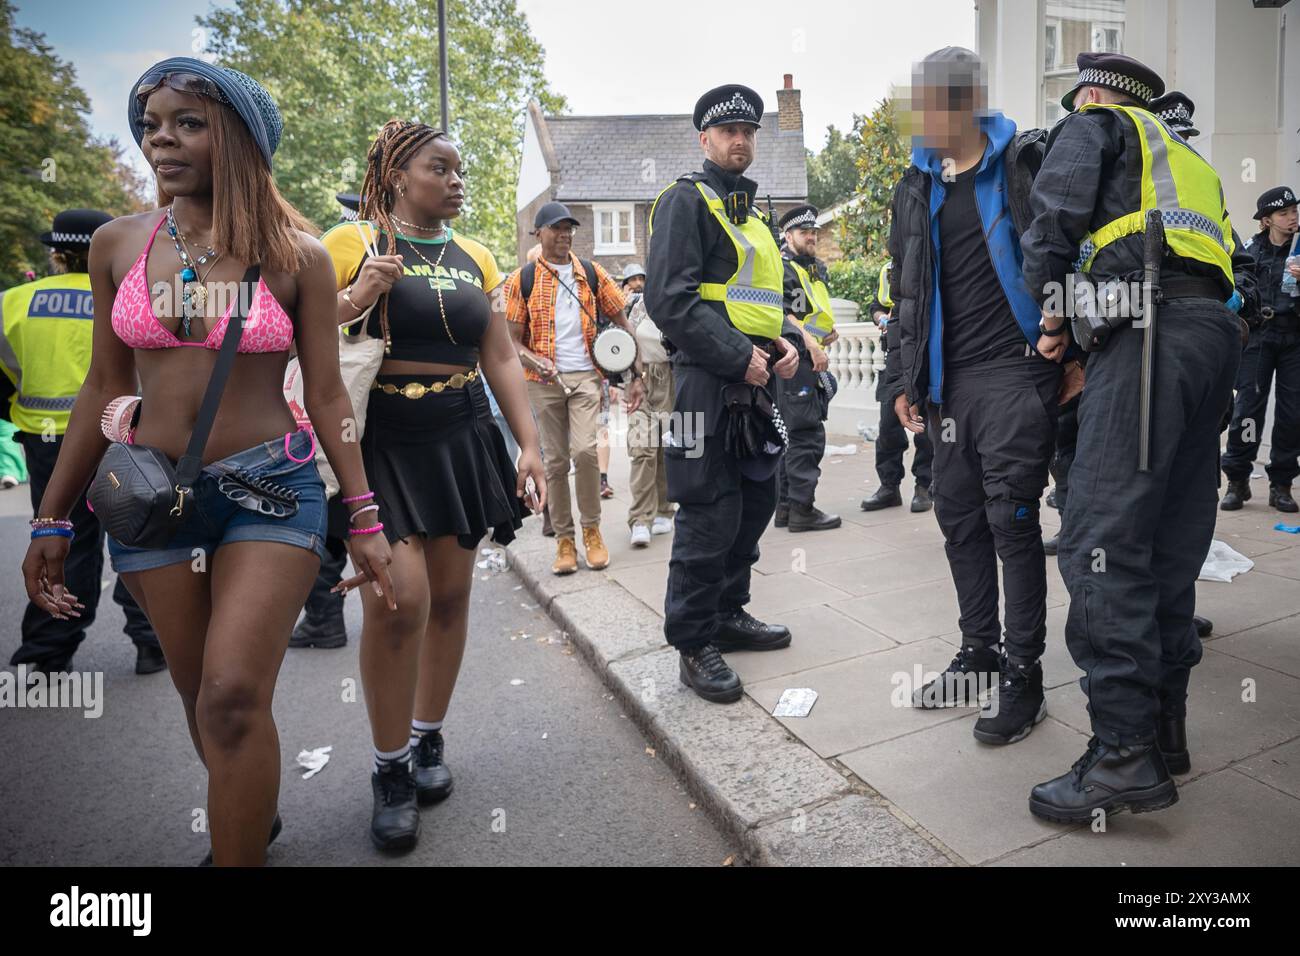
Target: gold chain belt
{"x":419,"y":389}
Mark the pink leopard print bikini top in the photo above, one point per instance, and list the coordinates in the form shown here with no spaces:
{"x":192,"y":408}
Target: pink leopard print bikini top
{"x":268,"y":327}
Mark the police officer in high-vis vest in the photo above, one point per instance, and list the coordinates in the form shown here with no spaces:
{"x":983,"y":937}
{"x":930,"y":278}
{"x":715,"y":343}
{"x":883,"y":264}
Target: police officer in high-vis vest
{"x":805,"y":399}
{"x":45,"y":355}
{"x":1133,"y":541}
{"x":714,"y":286}
{"x":891,"y":439}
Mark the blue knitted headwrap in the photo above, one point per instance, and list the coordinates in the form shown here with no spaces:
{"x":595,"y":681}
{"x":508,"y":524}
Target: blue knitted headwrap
{"x":243,"y":94}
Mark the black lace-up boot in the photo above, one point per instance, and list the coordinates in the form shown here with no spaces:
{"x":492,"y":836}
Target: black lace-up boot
{"x":432,"y":778}
{"x":395,"y":819}
{"x":1109,"y":779}
{"x":1019,"y":704}
{"x":704,"y":671}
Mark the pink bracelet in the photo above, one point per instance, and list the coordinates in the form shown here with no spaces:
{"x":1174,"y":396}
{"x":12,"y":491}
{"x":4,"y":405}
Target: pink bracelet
{"x":363,"y":510}
{"x":373,"y":529}
{"x":366,"y":497}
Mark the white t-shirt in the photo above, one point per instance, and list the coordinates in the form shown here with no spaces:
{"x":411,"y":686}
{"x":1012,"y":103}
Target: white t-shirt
{"x":570,"y":342}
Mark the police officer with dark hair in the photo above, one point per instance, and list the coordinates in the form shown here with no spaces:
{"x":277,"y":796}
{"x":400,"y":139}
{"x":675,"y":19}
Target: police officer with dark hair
{"x":715,"y":289}
{"x":1133,"y":541}
{"x":45,"y":342}
{"x":1274,"y":348}
{"x":805,"y":399}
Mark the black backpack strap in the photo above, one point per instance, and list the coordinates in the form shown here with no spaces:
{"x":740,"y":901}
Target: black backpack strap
{"x":191,"y":463}
{"x":590,"y":269}
{"x":527,"y":276}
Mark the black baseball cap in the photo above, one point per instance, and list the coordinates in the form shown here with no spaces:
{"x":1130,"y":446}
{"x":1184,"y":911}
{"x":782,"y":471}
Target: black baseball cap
{"x":552,"y":213}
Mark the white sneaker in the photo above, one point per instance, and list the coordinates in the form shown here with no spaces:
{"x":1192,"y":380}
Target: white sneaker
{"x":9,"y":481}
{"x":640,"y":536}
{"x":662,"y":525}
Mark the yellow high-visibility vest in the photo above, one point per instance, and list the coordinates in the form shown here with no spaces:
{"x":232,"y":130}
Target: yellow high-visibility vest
{"x":882,"y":287}
{"x":820,"y":320}
{"x":1182,"y":185}
{"x":45,"y":342}
{"x":754,"y":293}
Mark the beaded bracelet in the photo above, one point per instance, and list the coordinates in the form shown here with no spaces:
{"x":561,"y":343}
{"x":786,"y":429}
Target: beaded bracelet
{"x":373,"y":529}
{"x":52,"y":532}
{"x":363,"y":510}
{"x":50,"y":523}
{"x":366,"y":497}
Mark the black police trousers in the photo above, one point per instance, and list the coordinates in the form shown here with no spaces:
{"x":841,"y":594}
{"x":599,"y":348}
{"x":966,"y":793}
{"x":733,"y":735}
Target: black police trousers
{"x":891,"y":446}
{"x":1067,"y":438}
{"x":1269,"y":351}
{"x":993,"y":438}
{"x":1132,"y":544}
{"x":802,"y":405}
{"x":322,"y":602}
{"x":46,"y":639}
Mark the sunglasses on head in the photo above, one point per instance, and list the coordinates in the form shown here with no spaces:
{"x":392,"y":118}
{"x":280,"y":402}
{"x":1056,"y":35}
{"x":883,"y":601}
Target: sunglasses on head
{"x":181,"y":82}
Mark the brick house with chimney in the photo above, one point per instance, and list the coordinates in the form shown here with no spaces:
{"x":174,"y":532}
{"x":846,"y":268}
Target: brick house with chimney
{"x":609,"y":169}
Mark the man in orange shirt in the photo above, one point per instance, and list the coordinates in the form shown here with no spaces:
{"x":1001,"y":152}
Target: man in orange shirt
{"x":552,"y":306}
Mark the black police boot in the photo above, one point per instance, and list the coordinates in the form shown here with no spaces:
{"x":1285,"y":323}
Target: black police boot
{"x":1020,"y":704}
{"x":811,"y":518}
{"x":1109,"y":779}
{"x":149,"y":659}
{"x":704,"y":671}
{"x":325,"y":631}
{"x":1238,"y":494}
{"x":1171,"y":738}
{"x":1204,"y":626}
{"x":432,"y":778}
{"x":395,"y":819}
{"x":886,"y":496}
{"x":1279,"y":497}
{"x":972,"y":671}
{"x":782,"y":516}
{"x":276,"y":827}
{"x":740,"y":631}
{"x":1050,"y":545}
{"x":921,"y":500}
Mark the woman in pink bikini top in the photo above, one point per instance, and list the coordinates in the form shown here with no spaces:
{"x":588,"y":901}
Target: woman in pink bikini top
{"x":224,"y":593}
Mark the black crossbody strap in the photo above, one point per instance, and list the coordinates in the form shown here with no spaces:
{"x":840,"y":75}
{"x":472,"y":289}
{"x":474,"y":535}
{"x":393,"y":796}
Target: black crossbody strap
{"x":191,"y":463}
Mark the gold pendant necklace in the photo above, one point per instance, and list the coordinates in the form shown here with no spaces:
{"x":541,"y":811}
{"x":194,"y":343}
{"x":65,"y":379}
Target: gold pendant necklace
{"x":438,"y":287}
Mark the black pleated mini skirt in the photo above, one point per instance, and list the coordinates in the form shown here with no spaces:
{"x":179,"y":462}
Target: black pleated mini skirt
{"x":438,"y":466}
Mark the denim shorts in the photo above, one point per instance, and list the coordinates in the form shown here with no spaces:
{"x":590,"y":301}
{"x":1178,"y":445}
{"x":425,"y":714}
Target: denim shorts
{"x":217,"y":520}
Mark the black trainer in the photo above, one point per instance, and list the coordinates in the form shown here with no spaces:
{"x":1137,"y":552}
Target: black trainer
{"x":395,"y":819}
{"x":886,"y":496}
{"x":921,"y":499}
{"x":1051,"y":498}
{"x":1171,"y":738}
{"x":811,"y":518}
{"x":276,"y":827}
{"x":1238,"y":493}
{"x":972,"y":671}
{"x":432,"y":778}
{"x":782,"y":516}
{"x":149,"y":659}
{"x":323,"y":632}
{"x":1109,"y":779}
{"x":1019,"y":704}
{"x":741,"y":631}
{"x":704,"y":671}
{"x":1279,"y":497}
{"x":1204,"y":626}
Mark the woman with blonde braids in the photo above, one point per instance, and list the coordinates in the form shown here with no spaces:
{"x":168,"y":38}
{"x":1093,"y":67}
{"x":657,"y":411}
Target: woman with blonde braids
{"x":439,"y":467}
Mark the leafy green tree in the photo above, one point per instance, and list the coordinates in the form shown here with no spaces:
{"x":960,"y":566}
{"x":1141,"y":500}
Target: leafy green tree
{"x":832,"y":173}
{"x":339,"y":69}
{"x":49,"y":160}
{"x":882,"y":156}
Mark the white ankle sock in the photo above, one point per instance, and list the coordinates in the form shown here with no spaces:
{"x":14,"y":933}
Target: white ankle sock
{"x":386,"y":758}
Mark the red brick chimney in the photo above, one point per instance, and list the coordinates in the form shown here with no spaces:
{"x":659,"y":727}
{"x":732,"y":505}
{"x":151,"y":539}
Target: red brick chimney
{"x":789,"y":111}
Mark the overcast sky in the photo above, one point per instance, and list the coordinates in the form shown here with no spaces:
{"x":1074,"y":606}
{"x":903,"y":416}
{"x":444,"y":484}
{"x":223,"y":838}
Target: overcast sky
{"x":605,"y":56}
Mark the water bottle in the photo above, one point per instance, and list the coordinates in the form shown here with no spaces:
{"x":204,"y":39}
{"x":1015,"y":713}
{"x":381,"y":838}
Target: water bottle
{"x":1288,"y":280}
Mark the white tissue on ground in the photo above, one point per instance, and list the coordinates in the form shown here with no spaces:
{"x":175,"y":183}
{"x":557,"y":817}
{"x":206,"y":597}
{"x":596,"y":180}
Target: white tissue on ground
{"x":314,"y":760}
{"x":841,"y":450}
{"x":1223,"y":563}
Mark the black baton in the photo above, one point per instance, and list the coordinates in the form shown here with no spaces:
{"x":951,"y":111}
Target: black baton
{"x":1152,"y":252}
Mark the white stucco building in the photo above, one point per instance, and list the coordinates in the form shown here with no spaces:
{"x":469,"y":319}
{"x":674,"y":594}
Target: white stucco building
{"x":1238,"y":61}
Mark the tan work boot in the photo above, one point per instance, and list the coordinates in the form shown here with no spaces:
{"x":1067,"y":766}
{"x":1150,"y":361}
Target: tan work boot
{"x":594,"y":545}
{"x":566,"y":556}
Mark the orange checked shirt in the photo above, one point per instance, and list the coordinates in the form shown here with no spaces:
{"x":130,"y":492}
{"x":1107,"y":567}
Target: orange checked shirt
{"x":537,"y":315}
